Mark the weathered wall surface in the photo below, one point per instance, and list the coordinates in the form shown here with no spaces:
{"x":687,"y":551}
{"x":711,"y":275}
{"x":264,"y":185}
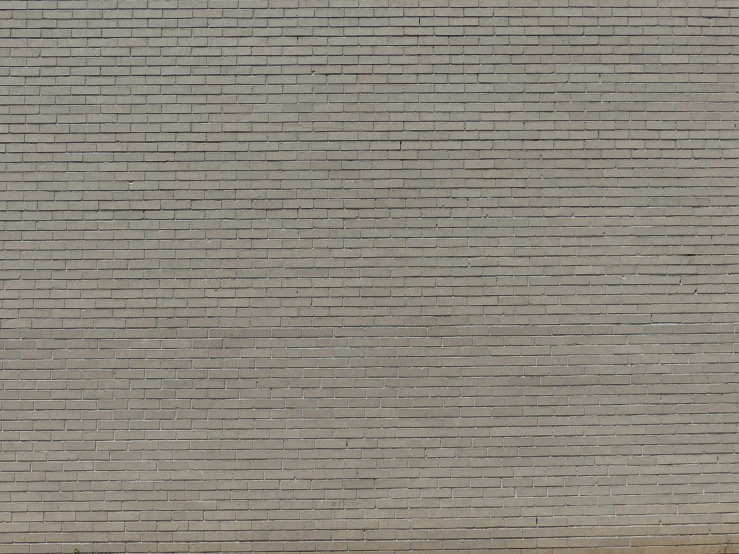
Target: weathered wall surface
{"x":368,"y":275}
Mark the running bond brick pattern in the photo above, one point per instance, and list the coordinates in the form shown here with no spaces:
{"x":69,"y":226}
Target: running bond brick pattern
{"x":369,"y":275}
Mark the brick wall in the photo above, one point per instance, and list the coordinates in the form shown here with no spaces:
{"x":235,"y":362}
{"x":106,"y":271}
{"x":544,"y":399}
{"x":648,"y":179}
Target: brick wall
{"x":384,"y":275}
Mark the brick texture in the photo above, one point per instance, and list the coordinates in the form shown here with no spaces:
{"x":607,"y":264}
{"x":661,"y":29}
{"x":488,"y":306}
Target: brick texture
{"x":369,"y":276}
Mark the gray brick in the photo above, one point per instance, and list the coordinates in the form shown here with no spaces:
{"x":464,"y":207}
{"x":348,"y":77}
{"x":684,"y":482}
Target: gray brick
{"x":368,"y":276}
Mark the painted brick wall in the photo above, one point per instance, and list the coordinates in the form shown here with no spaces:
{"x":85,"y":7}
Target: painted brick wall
{"x":383,"y":275}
